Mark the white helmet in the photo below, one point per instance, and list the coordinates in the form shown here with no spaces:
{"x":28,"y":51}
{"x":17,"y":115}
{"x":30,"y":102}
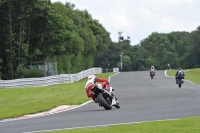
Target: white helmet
{"x":91,"y":76}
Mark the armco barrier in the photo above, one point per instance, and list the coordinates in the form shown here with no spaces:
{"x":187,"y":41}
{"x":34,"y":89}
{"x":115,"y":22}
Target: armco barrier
{"x":50,"y":80}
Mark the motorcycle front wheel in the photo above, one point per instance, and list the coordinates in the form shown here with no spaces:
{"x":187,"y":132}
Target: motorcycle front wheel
{"x":179,"y":85}
{"x":103,"y":102}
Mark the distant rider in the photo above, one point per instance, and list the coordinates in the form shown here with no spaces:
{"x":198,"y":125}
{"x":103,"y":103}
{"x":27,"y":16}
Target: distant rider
{"x":152,"y":69}
{"x":168,"y":66}
{"x":94,"y":79}
{"x":179,"y":74}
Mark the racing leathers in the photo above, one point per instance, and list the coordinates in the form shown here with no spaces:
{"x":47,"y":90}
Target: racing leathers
{"x":104,"y":84}
{"x":179,"y":74}
{"x":152,"y":70}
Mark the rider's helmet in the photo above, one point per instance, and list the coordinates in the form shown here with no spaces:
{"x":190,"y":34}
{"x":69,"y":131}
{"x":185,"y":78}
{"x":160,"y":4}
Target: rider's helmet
{"x":152,"y":67}
{"x":179,"y":69}
{"x":91,"y":76}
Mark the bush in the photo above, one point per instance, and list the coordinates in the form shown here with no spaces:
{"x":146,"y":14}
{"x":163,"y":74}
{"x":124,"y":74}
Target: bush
{"x":23,"y":72}
{"x":142,"y":68}
{"x":33,"y":73}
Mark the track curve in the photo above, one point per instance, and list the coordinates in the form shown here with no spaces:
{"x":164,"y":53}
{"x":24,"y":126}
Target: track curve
{"x":141,"y":99}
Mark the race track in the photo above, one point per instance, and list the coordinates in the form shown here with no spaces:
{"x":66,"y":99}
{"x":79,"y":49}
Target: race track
{"x":141,"y":99}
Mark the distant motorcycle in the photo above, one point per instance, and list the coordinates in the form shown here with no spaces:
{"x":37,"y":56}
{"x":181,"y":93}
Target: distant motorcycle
{"x":179,"y":81}
{"x":105,"y":97}
{"x":152,"y":74}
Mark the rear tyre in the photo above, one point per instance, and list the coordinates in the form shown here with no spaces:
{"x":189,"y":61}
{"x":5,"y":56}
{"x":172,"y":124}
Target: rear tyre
{"x":103,"y":102}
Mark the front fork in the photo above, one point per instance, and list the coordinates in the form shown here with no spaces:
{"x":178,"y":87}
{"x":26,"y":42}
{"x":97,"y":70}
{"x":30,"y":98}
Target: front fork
{"x":114,"y":101}
{"x":111,"y":95}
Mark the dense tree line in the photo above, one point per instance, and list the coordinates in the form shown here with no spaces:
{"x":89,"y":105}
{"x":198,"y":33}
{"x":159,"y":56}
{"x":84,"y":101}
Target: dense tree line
{"x":179,"y":49}
{"x":35,"y":30}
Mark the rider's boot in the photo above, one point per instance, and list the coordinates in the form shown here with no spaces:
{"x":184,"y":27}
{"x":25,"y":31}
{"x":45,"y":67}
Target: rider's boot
{"x":94,"y":99}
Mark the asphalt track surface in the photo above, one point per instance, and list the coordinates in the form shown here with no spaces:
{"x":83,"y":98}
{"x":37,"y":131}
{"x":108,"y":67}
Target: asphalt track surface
{"x":141,"y":99}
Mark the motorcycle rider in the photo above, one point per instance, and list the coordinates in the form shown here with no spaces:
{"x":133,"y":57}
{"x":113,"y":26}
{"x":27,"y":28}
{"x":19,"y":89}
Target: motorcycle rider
{"x":152,"y":69}
{"x":168,"y":66}
{"x":179,"y":74}
{"x":94,"y":79}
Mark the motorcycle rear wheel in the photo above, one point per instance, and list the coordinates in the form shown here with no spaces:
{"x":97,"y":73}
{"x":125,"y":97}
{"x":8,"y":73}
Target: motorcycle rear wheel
{"x":103,"y":102}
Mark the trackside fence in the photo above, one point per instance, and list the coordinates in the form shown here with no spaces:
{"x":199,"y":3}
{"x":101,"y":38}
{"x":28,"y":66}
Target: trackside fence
{"x":50,"y":80}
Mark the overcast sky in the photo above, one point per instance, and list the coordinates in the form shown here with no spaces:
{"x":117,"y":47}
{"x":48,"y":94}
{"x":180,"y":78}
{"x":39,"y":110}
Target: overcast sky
{"x":139,"y":18}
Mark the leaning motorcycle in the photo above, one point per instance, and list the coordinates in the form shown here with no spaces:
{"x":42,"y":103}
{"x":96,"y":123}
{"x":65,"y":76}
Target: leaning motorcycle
{"x":105,"y":97}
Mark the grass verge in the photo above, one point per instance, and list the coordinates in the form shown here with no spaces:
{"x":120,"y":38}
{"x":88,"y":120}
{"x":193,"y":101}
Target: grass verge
{"x":185,"y":125}
{"x":192,"y":75}
{"x":65,"y":93}
{"x":17,"y":102}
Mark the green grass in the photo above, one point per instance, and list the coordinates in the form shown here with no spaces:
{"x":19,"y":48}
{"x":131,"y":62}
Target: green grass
{"x":16,"y":102}
{"x":185,"y":125}
{"x":192,"y":75}
{"x":171,"y":72}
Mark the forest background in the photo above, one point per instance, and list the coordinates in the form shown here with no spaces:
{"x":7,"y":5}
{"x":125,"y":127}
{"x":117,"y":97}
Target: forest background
{"x":37,"y":30}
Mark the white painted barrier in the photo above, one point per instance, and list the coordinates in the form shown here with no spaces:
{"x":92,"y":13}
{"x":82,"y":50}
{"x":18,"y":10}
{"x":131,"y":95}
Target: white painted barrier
{"x":50,"y":80}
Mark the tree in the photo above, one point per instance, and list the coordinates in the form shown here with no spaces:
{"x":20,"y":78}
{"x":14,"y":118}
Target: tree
{"x":158,"y":45}
{"x":121,"y":38}
{"x":28,"y":28}
{"x":195,"y":47}
{"x":0,"y":68}
{"x":127,"y":65}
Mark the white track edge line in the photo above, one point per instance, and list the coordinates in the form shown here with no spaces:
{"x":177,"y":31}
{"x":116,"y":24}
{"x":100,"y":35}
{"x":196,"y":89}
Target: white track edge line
{"x":20,"y":118}
{"x":99,"y":126}
{"x":184,"y":80}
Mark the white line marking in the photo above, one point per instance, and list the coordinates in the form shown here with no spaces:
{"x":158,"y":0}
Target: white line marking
{"x":105,"y":124}
{"x":99,"y":126}
{"x":45,"y":113}
{"x":112,"y":75}
{"x":184,"y":80}
{"x":59,"y":109}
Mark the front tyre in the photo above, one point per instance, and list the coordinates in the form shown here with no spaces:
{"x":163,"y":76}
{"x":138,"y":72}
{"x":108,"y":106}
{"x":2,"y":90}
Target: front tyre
{"x":179,"y":85}
{"x":151,"y":76}
{"x":103,"y":102}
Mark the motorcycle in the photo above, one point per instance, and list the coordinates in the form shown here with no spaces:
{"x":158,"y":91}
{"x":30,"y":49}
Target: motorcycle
{"x":152,"y":74}
{"x":179,"y":81}
{"x":105,"y":97}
